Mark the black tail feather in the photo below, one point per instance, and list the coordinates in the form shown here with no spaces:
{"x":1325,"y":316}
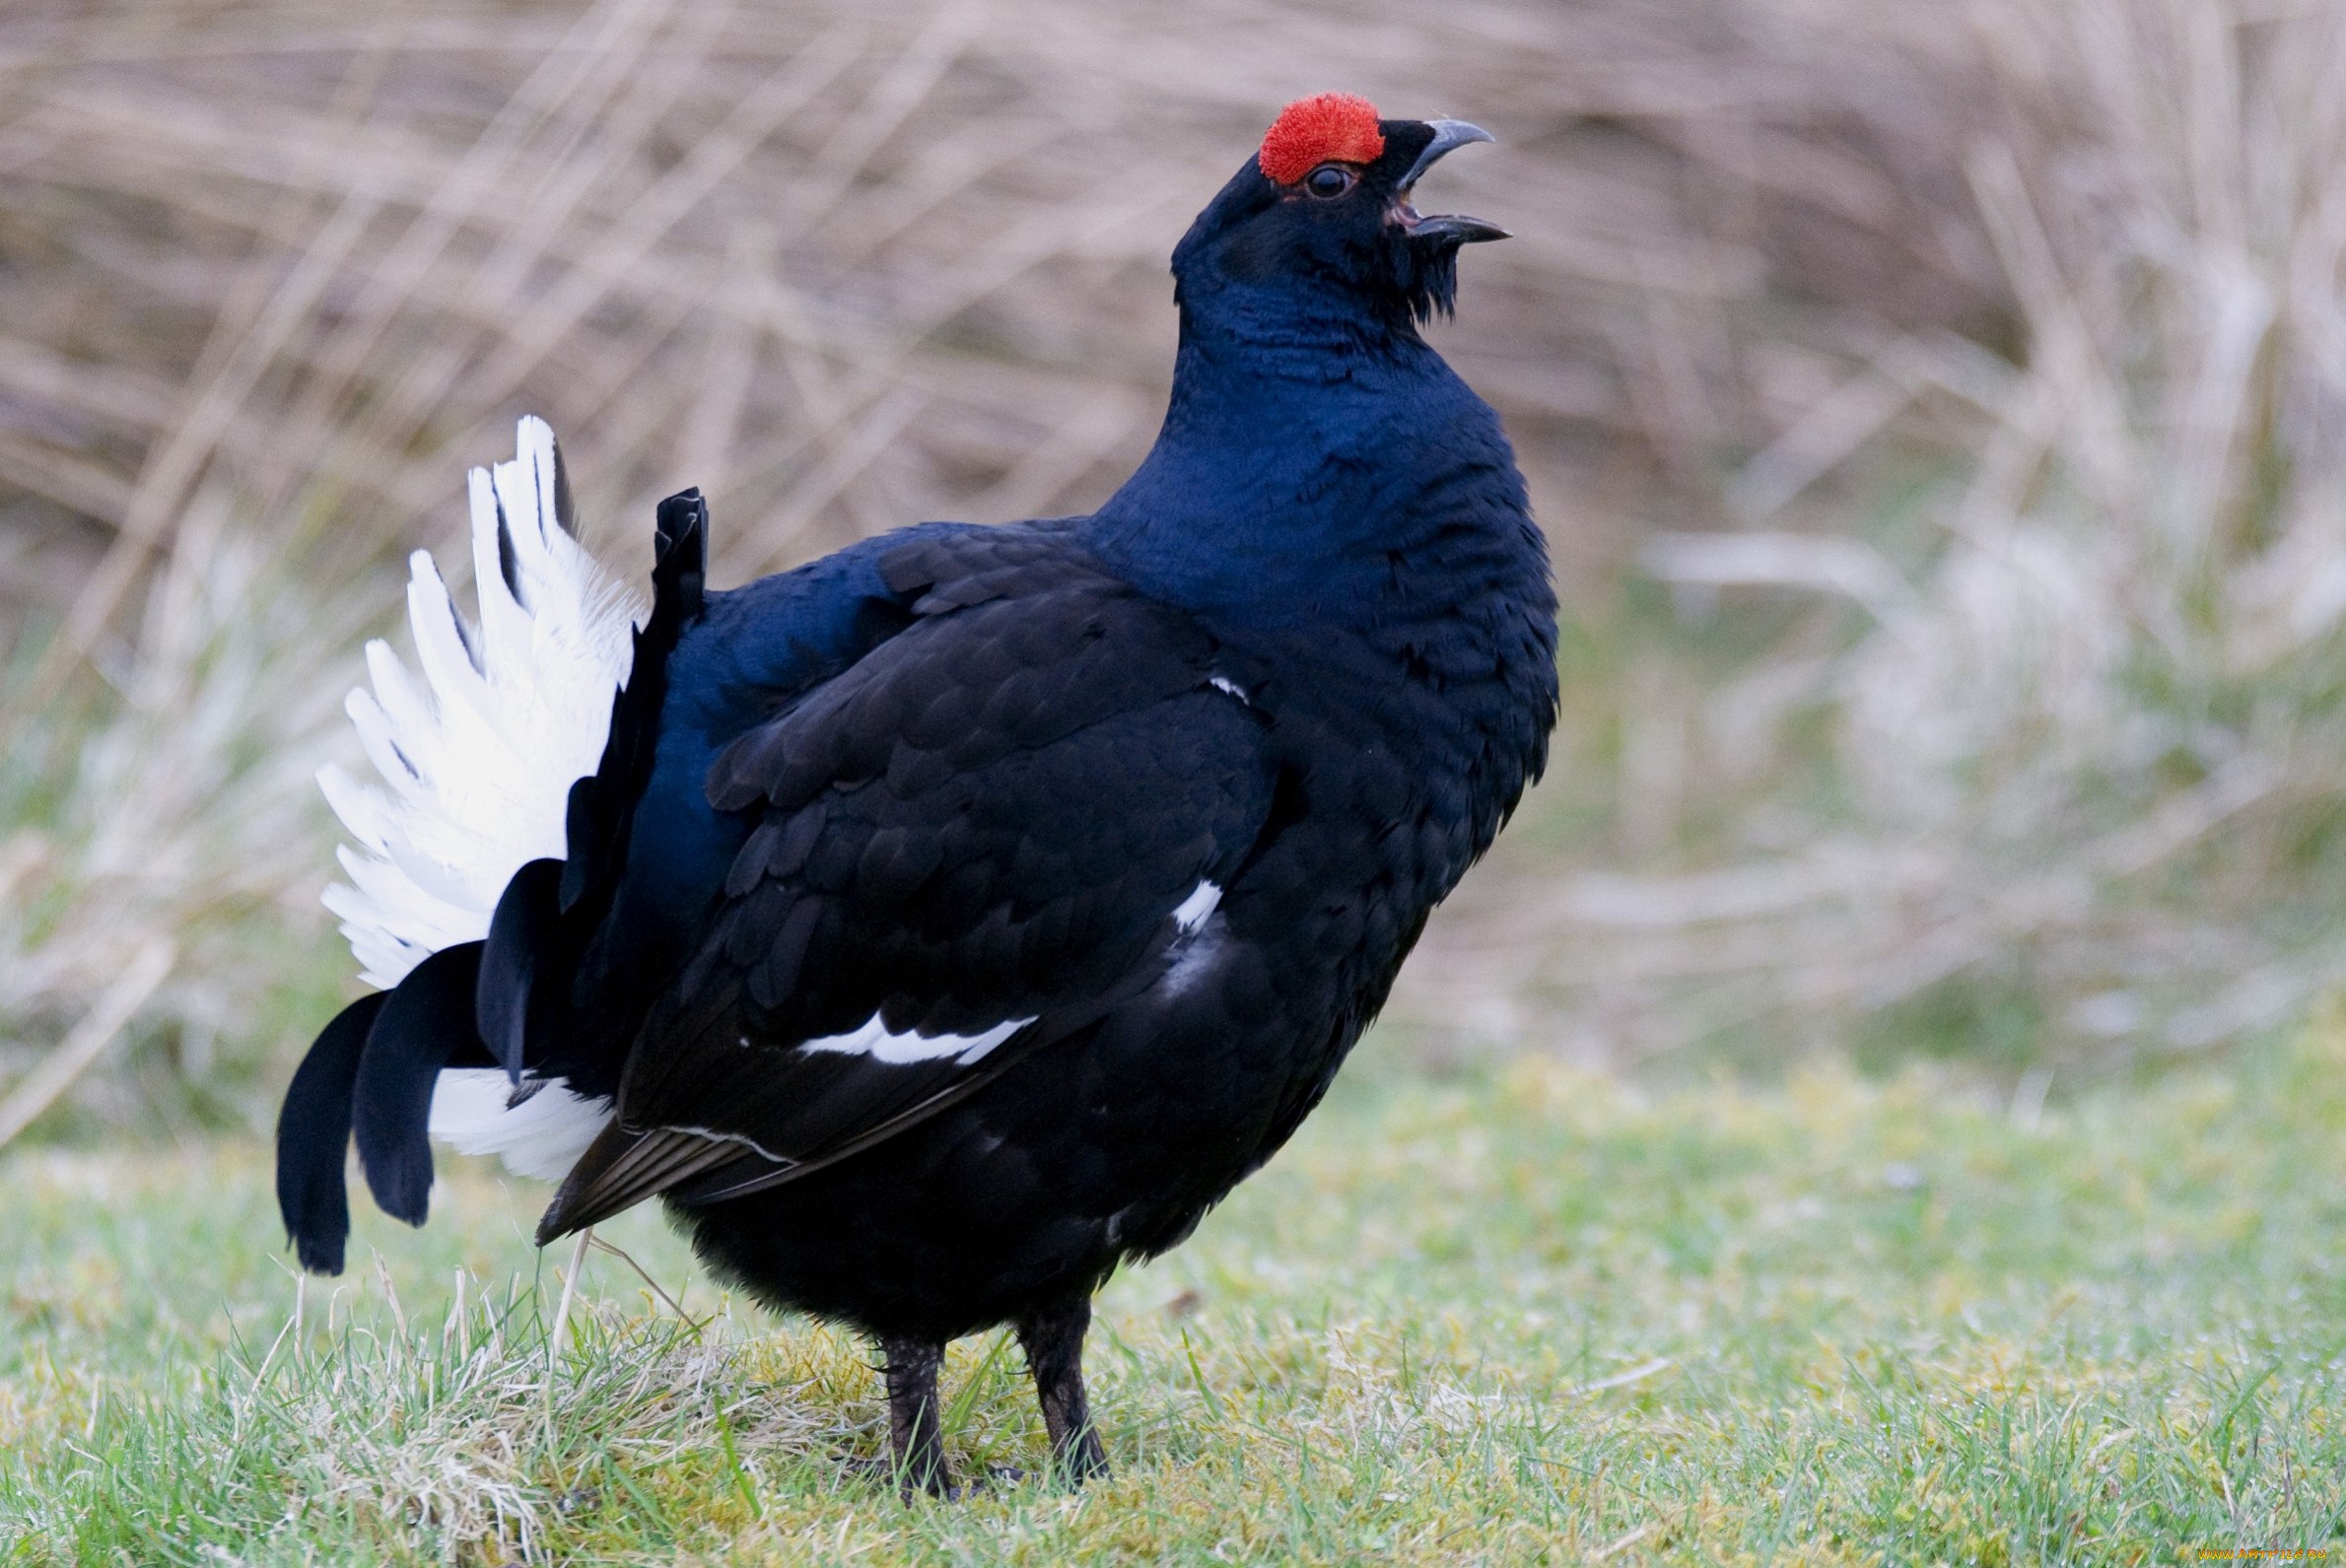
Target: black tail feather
{"x":313,"y":1139}
{"x":425,"y":1025}
{"x":565,"y":511}
{"x":602,"y":804}
{"x":523,"y":935}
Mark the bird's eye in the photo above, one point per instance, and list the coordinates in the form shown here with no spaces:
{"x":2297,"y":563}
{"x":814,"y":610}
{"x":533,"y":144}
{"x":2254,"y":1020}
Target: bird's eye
{"x":1330,"y":179}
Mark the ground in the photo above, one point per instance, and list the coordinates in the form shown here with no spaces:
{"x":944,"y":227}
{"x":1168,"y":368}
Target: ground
{"x":1514,"y":1314}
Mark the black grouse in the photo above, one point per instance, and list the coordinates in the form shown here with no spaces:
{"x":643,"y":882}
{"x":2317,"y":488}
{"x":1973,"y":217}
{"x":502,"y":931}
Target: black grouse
{"x":940,"y":923}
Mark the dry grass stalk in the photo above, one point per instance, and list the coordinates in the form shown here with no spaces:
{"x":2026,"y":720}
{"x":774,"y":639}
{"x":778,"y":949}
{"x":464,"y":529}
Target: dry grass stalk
{"x":2089,"y":738}
{"x":280,"y":269}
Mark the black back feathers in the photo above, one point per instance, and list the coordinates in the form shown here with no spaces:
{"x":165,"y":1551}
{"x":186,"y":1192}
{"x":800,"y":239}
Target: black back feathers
{"x":972,"y":842}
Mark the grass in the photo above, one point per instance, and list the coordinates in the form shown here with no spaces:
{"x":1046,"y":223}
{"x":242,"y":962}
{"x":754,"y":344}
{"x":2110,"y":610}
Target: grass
{"x":1517,"y":1314}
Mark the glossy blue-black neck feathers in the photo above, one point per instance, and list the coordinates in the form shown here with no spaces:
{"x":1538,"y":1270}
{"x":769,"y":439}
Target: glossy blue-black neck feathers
{"x":1312,"y":439}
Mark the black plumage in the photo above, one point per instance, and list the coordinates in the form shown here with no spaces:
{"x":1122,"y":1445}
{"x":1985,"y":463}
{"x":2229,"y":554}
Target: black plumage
{"x":962,"y":915}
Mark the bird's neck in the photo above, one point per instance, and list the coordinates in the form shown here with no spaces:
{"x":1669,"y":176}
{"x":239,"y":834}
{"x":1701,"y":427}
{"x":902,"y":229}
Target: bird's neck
{"x":1298,"y":464}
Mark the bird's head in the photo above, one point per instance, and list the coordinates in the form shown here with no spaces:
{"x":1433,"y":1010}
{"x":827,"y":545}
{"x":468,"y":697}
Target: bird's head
{"x":1319,"y":222}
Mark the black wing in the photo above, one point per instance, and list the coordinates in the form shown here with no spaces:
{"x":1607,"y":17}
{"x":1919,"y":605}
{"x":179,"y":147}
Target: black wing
{"x":974,"y":843}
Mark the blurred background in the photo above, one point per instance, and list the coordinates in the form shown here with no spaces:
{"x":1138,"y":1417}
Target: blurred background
{"x":1936,"y":413}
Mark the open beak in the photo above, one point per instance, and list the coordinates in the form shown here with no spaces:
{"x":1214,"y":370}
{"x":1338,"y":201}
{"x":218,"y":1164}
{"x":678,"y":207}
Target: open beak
{"x":1448,"y":137}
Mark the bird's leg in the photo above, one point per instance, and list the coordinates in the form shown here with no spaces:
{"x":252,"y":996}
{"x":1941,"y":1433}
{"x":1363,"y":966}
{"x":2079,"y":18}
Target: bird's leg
{"x":916,"y":1439}
{"x":1052,"y":1339}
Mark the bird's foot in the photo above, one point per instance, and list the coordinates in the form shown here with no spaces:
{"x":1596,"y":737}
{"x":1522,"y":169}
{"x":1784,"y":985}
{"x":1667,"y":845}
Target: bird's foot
{"x":1054,"y":1341}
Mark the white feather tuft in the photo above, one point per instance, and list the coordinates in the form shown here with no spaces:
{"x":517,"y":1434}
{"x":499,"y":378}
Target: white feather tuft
{"x":477,"y":756}
{"x":877,"y":1041}
{"x":472,"y":1111}
{"x":1197,"y":907}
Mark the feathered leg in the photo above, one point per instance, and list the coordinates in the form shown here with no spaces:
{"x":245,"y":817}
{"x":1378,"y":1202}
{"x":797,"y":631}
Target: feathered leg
{"x":1053,"y":1340}
{"x":916,"y":1439}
